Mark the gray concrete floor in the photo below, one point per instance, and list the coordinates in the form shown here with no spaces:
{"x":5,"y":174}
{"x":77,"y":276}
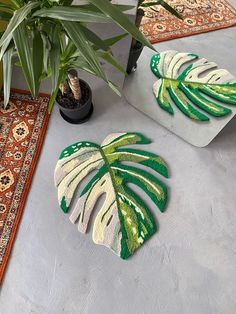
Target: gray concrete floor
{"x":187,"y":267}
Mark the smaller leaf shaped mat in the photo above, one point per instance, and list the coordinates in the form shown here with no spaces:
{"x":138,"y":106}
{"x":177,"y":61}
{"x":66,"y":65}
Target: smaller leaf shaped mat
{"x":124,"y":222}
{"x":193,"y":84}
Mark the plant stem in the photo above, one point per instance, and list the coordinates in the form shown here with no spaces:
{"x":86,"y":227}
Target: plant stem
{"x":64,"y":87}
{"x":75,"y":86}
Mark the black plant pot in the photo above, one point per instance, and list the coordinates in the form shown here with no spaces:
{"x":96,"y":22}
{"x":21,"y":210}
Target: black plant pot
{"x":133,"y":57}
{"x":79,"y":112}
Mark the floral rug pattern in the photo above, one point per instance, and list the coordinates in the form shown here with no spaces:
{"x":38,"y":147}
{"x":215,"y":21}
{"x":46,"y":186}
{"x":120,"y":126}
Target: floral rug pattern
{"x":22,"y":127}
{"x":199,"y":16}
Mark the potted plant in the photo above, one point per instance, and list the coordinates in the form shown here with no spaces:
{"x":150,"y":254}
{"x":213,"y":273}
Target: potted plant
{"x":53,"y":38}
{"x":136,"y":45}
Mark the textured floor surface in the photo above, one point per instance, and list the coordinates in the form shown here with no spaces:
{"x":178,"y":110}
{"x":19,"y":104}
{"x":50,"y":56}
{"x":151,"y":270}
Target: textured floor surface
{"x":187,"y":267}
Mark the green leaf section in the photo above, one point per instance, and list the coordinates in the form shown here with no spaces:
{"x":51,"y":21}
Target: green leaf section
{"x":123,"y":21}
{"x":73,"y":13}
{"x":24,"y":51}
{"x":140,"y":156}
{"x":75,"y":32}
{"x":133,"y":223}
{"x":7,"y":73}
{"x":17,"y":19}
{"x":5,"y":16}
{"x":134,"y":215}
{"x":195,"y":99}
{"x":38,"y":59}
{"x":6,"y":6}
{"x":54,"y":57}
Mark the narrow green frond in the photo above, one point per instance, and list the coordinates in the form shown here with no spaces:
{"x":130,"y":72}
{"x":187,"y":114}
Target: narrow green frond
{"x":113,"y":40}
{"x":46,"y":51}
{"x":73,"y":13}
{"x":7,"y":74}
{"x":107,"y":56}
{"x":122,"y":20}
{"x":54,"y":56}
{"x":5,"y":16}
{"x":38,"y":59}
{"x":23,"y":47}
{"x":16,"y":20}
{"x":95,"y":39}
{"x":75,"y":32}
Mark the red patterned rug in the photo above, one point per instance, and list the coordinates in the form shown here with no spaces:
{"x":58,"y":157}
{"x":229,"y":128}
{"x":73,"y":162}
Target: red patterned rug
{"x":22,"y":128}
{"x":199,"y":16}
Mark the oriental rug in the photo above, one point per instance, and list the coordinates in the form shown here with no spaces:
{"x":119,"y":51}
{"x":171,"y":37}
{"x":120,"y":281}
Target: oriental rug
{"x":199,"y":16}
{"x":23,"y":125}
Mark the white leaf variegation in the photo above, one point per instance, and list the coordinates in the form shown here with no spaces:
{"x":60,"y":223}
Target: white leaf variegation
{"x":193,"y":84}
{"x":123,"y":222}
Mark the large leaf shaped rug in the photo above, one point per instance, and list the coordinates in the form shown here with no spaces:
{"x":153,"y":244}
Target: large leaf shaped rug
{"x":193,"y":84}
{"x":124,"y":222}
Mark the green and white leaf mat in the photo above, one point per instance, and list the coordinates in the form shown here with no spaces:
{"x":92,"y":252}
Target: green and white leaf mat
{"x":193,"y":84}
{"x":123,"y":222}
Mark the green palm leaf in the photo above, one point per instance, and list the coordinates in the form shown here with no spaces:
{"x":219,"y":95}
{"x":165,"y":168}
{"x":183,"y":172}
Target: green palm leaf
{"x":122,"y":20}
{"x":17,"y":18}
{"x":76,"y":34}
{"x":7,"y":74}
{"x":5,"y":16}
{"x":197,"y":89}
{"x":54,"y":57}
{"x":37,"y":59}
{"x":73,"y":13}
{"x":24,"y":51}
{"x":124,"y":221}
{"x":6,"y":6}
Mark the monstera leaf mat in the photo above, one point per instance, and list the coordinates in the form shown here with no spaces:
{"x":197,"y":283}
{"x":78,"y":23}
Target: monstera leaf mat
{"x":194,"y":85}
{"x":124,"y":222}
